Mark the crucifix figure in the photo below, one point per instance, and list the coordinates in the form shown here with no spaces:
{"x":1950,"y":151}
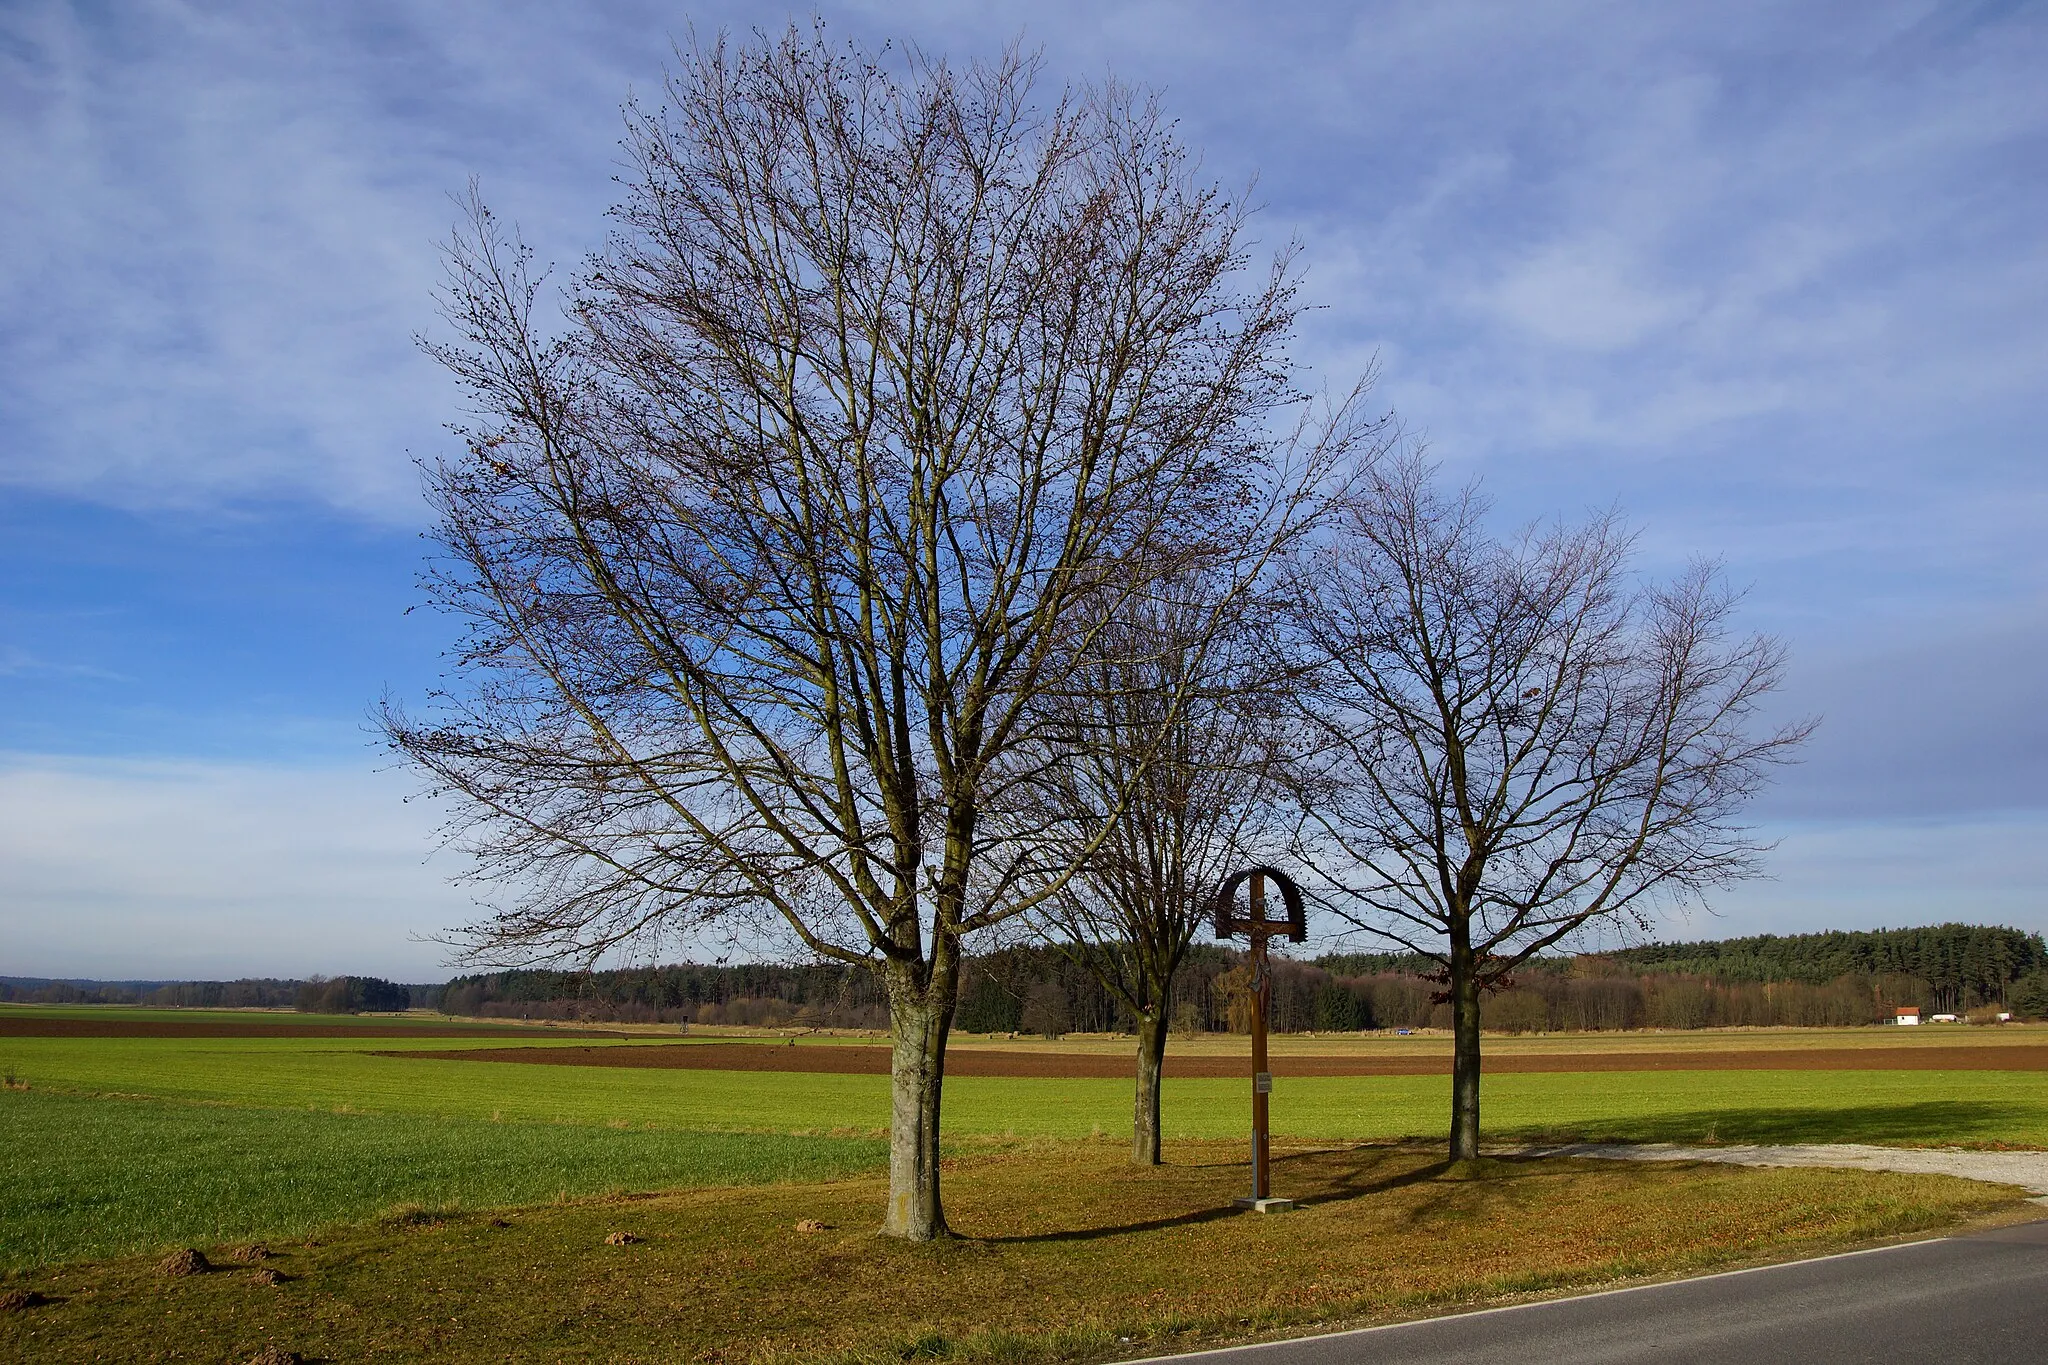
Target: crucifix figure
{"x":1257,"y":928}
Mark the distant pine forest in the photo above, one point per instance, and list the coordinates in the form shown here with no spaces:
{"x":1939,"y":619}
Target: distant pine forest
{"x":1831,"y":979}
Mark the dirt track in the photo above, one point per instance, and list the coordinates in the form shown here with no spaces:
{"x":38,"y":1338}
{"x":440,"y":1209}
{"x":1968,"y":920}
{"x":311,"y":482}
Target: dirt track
{"x":2026,"y":1169}
{"x":14,"y":1025}
{"x":874,"y":1061}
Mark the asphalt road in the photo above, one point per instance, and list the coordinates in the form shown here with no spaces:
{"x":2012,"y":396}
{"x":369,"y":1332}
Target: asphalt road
{"x":1956,"y":1301}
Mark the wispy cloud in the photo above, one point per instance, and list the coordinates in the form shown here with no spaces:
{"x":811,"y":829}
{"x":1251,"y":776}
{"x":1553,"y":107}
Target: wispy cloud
{"x":1769,"y":275}
{"x":1696,"y":219}
{"x":228,"y":240}
{"x":1568,"y":226}
{"x":138,"y":869}
{"x":19,"y":663}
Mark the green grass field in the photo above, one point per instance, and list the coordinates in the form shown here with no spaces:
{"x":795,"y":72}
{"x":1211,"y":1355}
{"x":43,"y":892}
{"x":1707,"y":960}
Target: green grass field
{"x":88,"y":1176}
{"x":125,"y":1144}
{"x":1728,"y":1106}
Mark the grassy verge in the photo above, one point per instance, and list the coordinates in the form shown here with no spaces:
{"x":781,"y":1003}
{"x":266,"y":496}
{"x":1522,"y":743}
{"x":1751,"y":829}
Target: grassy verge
{"x":88,"y":1177}
{"x":1068,"y":1254}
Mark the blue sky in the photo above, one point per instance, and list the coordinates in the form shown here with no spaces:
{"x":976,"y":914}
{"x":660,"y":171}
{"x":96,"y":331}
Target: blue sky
{"x":1771,"y":277}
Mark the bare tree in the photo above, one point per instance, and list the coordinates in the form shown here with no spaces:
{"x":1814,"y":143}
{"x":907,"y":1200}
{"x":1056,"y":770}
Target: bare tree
{"x":1515,"y":742}
{"x":880,"y":390}
{"x":1167,"y":784}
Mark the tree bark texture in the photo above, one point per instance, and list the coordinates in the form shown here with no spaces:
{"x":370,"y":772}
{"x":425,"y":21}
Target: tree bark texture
{"x":920,"y":1015}
{"x":1464,"y":1054}
{"x":1151,"y":1063}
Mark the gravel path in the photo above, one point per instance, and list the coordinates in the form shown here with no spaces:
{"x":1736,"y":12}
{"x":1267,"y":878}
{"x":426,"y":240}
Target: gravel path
{"x":2026,"y":1169}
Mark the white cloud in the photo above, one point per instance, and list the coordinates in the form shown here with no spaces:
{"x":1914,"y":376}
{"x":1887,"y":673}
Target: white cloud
{"x":1771,"y":274}
{"x":209,"y":290}
{"x":1584,"y":223}
{"x":1585,"y":294}
{"x":126,"y":869}
{"x":1696,"y":222}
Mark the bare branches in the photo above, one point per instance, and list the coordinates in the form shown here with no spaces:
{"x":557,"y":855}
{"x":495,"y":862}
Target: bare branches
{"x":890,"y":392}
{"x":1160,"y":777}
{"x":889,"y":388}
{"x":1515,"y":741}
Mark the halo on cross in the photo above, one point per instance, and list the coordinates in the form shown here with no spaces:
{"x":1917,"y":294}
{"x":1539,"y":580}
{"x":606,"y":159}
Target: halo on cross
{"x":1228,"y":924}
{"x":1256,"y":927}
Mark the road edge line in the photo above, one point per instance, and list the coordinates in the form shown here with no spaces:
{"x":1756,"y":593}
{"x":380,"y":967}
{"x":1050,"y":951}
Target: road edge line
{"x":1535,"y":1303}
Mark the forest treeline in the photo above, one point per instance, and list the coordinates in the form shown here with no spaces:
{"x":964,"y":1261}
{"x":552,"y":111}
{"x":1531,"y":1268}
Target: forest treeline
{"x":1800,"y":979}
{"x":1963,"y":965}
{"x":743,"y":993}
{"x":316,"y":995}
{"x":1806,"y":979}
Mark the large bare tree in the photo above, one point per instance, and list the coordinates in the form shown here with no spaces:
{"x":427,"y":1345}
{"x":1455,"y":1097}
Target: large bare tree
{"x":884,"y":385}
{"x":1518,"y":739}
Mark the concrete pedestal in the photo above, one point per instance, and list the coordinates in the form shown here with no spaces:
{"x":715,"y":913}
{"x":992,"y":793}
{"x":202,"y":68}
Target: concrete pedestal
{"x":1264,"y":1205}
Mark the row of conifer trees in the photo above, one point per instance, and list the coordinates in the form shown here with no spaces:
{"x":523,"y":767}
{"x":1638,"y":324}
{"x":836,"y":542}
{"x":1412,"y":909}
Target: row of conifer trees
{"x":1807,"y":980}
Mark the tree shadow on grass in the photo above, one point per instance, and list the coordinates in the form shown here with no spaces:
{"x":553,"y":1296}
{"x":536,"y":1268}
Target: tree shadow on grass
{"x":1467,"y":1189}
{"x":1359,"y":1182}
{"x":1182,"y":1220}
{"x":1349,"y":1181}
{"x":1341,"y":1175}
{"x":1925,"y":1121}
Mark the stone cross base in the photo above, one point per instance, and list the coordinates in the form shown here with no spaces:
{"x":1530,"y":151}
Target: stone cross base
{"x":1264,"y":1205}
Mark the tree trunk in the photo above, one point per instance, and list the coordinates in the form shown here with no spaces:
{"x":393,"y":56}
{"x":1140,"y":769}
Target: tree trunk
{"x":920,"y":1014}
{"x":1145,"y":1115}
{"x":1464,"y":1053}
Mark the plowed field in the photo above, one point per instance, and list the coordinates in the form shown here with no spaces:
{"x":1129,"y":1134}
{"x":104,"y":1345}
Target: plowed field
{"x":874,"y":1061}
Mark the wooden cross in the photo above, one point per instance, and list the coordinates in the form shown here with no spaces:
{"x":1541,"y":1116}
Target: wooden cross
{"x":1257,"y":928}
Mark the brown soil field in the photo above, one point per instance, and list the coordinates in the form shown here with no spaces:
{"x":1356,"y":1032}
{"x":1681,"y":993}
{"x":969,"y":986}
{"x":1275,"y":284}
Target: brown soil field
{"x":1438,"y":1044}
{"x":874,"y":1061}
{"x":14,"y":1025}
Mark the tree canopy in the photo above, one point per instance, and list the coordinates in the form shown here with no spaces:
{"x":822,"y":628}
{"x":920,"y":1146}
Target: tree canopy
{"x":892,"y":385}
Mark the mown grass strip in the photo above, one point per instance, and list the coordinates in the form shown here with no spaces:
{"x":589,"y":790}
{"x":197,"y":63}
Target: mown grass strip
{"x":86,"y":1177}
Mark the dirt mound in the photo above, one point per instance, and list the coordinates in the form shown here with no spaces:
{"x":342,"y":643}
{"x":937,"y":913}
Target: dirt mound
{"x":251,"y":1254}
{"x":874,"y":1061}
{"x":275,"y":1355}
{"x":266,"y":1277}
{"x":17,"y":1025}
{"x":621,"y":1239}
{"x":20,"y":1300}
{"x":184,"y":1261}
